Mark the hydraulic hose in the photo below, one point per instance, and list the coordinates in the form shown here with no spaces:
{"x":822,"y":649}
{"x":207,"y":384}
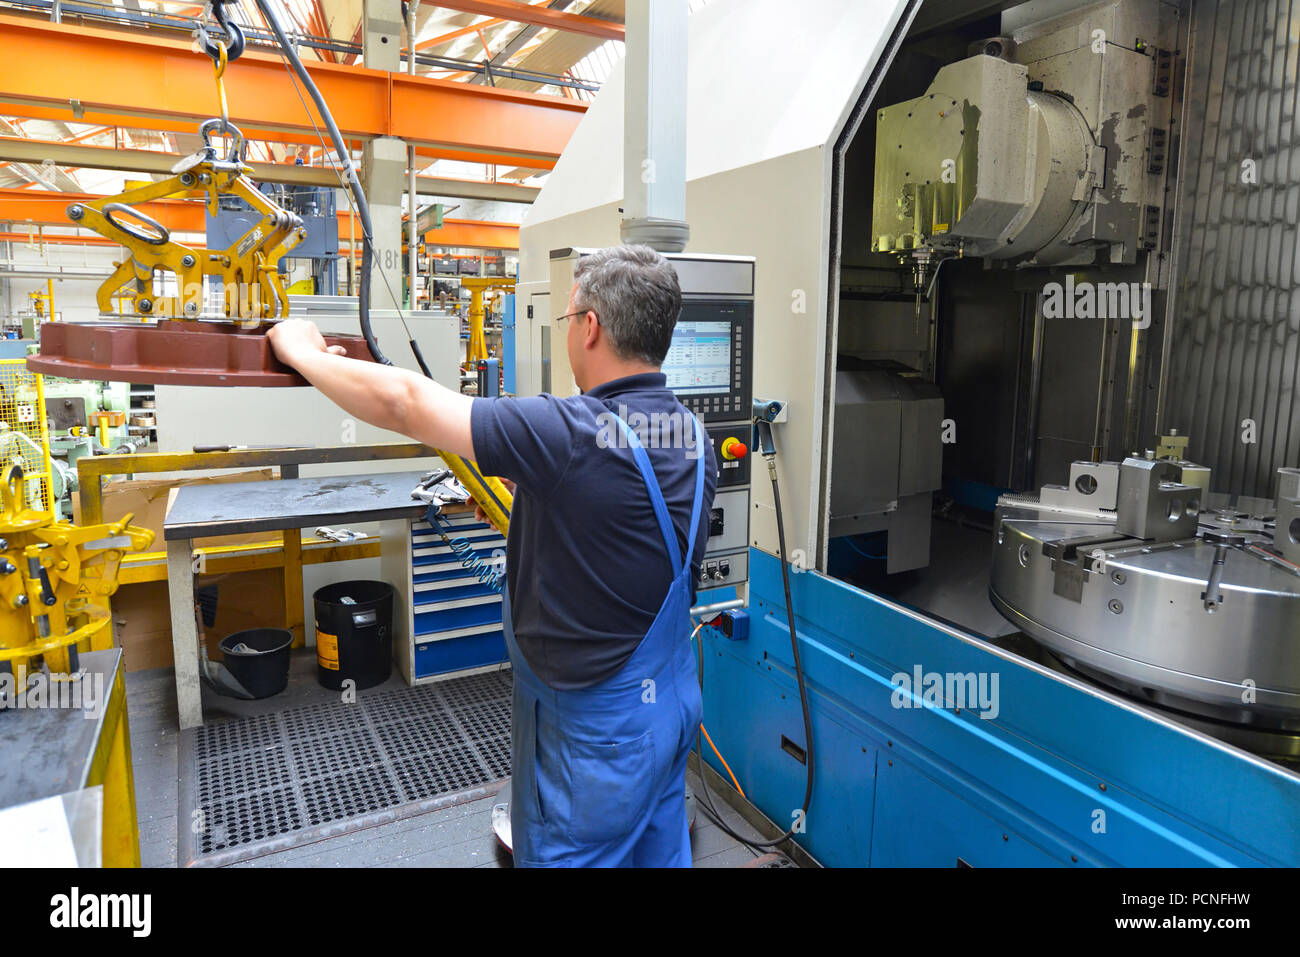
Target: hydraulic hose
{"x":350,"y":171}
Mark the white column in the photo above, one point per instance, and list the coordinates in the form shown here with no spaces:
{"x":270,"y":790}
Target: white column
{"x":381,"y":34}
{"x":383,"y":176}
{"x":654,"y":125}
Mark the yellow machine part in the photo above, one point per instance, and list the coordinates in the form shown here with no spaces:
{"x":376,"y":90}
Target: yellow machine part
{"x":489,"y":492}
{"x":51,"y":575}
{"x":248,"y":270}
{"x":477,"y":286}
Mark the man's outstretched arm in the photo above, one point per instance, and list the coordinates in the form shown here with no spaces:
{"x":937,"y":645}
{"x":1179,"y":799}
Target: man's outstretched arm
{"x":385,"y":396}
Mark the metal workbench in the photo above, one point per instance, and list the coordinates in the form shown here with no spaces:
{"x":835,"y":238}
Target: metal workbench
{"x":201,"y":511}
{"x":51,"y":751}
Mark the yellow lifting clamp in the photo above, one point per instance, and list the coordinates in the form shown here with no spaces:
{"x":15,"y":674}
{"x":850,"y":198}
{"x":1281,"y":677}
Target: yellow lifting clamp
{"x":248,"y":270}
{"x":51,"y":574}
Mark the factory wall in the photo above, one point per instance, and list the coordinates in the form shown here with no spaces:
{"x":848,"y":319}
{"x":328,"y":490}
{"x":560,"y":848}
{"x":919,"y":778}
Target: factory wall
{"x":1234,"y":337}
{"x":74,"y":298}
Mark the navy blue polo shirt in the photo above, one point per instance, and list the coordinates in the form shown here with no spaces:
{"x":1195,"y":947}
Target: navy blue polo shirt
{"x":586,"y":563}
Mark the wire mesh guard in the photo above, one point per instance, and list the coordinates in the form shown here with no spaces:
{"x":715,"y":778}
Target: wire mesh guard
{"x":267,"y":776}
{"x":24,"y":439}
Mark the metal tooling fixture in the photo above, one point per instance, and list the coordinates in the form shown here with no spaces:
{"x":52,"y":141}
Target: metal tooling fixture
{"x":51,"y":573}
{"x":248,"y":269}
{"x":1045,"y":150}
{"x":1114,"y":577}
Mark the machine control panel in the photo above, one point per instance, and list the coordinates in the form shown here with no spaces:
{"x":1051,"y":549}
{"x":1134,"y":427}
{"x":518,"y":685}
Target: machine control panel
{"x":710,"y":363}
{"x":710,"y":368}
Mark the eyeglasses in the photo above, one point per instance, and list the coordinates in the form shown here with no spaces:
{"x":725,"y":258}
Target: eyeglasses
{"x":570,"y":315}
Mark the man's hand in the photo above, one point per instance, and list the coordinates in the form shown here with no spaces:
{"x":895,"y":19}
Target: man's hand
{"x":292,"y":339}
{"x":383,"y":395}
{"x":481,"y":515}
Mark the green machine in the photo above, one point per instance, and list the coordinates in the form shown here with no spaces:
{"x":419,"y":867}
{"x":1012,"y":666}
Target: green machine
{"x":70,"y":405}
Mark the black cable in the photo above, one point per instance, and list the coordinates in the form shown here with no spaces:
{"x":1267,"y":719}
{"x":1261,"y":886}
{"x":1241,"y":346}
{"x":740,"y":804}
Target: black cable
{"x":363,"y":214}
{"x":362,"y":207}
{"x":809,"y":753}
{"x":349,"y":168}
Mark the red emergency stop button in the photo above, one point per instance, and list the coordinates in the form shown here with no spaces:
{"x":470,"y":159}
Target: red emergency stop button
{"x":733,"y":448}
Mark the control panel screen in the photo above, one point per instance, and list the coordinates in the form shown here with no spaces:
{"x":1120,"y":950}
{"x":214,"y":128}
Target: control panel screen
{"x":699,"y":359}
{"x":709,"y":363}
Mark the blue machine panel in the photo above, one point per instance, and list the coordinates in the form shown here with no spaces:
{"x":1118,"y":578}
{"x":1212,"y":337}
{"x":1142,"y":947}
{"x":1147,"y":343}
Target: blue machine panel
{"x":1058,"y":771}
{"x":919,"y":823}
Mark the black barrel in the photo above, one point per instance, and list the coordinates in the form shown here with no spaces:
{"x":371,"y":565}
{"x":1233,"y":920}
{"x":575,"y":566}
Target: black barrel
{"x":263,"y":669}
{"x":354,"y":633}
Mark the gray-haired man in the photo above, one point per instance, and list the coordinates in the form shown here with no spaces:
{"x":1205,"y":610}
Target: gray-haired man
{"x":604,"y":539}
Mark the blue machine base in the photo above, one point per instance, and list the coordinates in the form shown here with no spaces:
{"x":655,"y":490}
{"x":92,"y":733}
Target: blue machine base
{"x":1043,"y":770}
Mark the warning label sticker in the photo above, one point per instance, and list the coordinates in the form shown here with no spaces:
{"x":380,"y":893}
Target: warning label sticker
{"x":327,"y":650}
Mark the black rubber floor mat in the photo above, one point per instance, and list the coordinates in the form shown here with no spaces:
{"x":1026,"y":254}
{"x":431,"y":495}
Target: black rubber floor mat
{"x":260,"y":785}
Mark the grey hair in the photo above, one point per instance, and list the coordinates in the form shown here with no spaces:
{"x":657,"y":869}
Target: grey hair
{"x":634,"y":292}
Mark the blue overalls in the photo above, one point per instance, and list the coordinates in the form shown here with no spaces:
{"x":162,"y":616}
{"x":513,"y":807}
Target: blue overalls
{"x":599,"y":775}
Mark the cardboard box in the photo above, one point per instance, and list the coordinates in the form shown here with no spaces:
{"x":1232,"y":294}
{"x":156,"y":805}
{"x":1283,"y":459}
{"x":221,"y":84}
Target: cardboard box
{"x":147,"y":500}
{"x":142,"y":614}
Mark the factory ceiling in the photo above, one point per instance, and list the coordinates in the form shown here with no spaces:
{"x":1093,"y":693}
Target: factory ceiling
{"x":567,"y":50}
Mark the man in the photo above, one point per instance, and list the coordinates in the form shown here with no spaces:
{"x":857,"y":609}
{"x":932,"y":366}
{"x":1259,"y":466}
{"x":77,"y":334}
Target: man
{"x":611,"y":511}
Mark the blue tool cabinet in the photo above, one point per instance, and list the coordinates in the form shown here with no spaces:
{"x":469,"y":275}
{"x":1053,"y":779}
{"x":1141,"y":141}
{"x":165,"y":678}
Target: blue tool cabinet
{"x":446,"y":620}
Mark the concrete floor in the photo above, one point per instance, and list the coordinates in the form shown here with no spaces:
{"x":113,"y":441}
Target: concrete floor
{"x":457,"y":836}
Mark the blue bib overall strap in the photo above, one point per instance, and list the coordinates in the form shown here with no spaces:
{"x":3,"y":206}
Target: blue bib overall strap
{"x":657,"y":496}
{"x":599,"y":775}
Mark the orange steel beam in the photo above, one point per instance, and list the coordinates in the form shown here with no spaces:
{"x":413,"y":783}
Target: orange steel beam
{"x":356,"y":39}
{"x":463,"y":31}
{"x":187,"y":216}
{"x":474,"y":234}
{"x":538,"y":16}
{"x":156,"y":161}
{"x":49,"y":208}
{"x":322,"y":28}
{"x":60,"y":115}
{"x":146,"y":82}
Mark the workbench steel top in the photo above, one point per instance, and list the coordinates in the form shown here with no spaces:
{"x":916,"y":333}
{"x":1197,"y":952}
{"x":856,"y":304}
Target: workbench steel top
{"x":46,"y":751}
{"x":237,"y":508}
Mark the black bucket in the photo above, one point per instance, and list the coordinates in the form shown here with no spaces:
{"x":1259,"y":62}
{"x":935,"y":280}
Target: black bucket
{"x":354,"y":633}
{"x":264,"y":669}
